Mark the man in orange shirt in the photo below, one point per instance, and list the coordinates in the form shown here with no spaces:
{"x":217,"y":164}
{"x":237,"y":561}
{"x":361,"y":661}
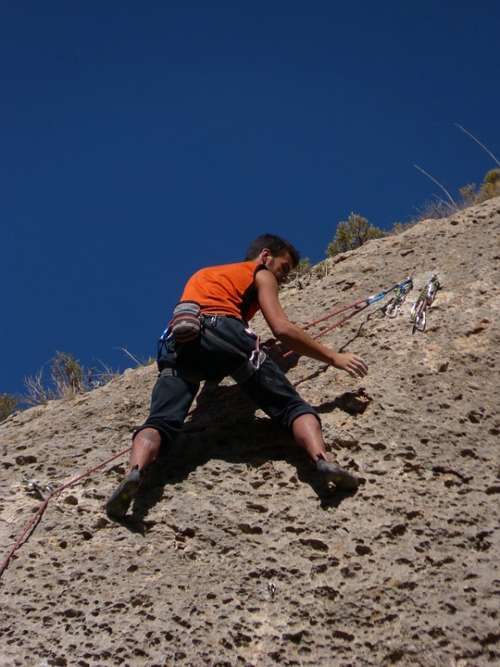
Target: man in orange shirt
{"x":209,"y":339}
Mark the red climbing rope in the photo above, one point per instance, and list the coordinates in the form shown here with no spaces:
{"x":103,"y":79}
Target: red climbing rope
{"x":33,"y":522}
{"x":356,"y":307}
{"x":336,"y":311}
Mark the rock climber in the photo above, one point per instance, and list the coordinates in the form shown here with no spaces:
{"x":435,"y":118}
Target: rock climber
{"x":209,"y":338}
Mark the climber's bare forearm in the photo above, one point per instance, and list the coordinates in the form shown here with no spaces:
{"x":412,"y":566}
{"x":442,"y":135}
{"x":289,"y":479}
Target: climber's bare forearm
{"x":296,"y":338}
{"x":299,"y":341}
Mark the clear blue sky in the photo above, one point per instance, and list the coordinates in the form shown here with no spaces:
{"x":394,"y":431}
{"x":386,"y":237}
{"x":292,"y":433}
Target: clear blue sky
{"x":141,"y":141}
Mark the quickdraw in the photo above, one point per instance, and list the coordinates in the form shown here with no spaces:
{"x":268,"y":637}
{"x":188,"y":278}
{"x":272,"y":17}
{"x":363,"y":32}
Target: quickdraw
{"x":418,"y":314}
{"x":355,"y":308}
{"x":393,"y":306}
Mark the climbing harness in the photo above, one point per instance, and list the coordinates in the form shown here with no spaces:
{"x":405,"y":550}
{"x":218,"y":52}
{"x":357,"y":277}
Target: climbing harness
{"x":418,"y":314}
{"x":393,"y":307}
{"x":250,"y":362}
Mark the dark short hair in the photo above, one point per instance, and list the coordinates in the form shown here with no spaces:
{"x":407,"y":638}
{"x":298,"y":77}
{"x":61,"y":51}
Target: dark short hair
{"x":276,"y":245}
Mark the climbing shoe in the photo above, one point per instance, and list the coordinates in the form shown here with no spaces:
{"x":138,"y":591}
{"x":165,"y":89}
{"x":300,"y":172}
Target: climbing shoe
{"x":340,"y":477}
{"x":124,"y":494}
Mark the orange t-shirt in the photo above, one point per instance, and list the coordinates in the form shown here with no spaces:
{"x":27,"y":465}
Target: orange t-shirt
{"x":227,"y":289}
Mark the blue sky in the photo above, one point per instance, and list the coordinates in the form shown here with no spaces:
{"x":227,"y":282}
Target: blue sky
{"x":141,"y":141}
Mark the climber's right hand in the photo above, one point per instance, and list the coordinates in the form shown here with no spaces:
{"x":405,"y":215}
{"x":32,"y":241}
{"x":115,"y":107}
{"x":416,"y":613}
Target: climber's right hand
{"x":350,"y":363}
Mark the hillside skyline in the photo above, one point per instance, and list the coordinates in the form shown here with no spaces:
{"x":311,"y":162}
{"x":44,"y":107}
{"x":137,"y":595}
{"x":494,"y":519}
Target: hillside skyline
{"x":141,"y":143}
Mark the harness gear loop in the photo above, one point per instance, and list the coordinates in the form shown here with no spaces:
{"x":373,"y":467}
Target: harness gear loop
{"x":208,"y":325}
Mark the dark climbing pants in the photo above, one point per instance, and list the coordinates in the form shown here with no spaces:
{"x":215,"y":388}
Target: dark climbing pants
{"x":224,"y":345}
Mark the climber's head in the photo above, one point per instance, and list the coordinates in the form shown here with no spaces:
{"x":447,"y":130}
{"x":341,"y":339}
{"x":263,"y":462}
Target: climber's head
{"x":277,"y":255}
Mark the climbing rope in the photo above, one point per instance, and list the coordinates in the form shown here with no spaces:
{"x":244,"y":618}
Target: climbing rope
{"x":418,"y":314}
{"x":402,"y":288}
{"x":393,"y":307}
{"x":33,"y":522}
{"x":356,"y":307}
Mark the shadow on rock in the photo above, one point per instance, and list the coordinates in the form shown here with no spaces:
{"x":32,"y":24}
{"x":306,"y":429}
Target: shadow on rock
{"x":352,"y":402}
{"x":223,"y":426}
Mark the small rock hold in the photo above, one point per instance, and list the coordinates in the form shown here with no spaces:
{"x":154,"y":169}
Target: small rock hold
{"x":468,"y":453}
{"x":295,"y":637}
{"x":318,"y":545}
{"x":340,"y":634}
{"x":363,"y":550}
{"x":377,"y":446}
{"x":250,"y":530}
{"x":398,"y":529}
{"x":326,"y":591}
{"x":24,"y":460}
{"x":256,"y":507}
{"x":474,"y":417}
{"x":59,"y":661}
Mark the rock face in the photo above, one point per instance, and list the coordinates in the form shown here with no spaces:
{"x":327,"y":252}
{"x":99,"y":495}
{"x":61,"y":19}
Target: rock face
{"x":237,"y":555}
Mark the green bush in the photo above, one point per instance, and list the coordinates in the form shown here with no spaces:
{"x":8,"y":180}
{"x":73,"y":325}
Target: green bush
{"x":302,"y":268}
{"x":67,"y":379}
{"x":400,"y":227}
{"x":492,"y":177}
{"x":8,"y":404}
{"x":434,"y":209}
{"x":490,"y":187}
{"x":468,"y":194}
{"x":352,"y":233}
{"x":67,"y":375}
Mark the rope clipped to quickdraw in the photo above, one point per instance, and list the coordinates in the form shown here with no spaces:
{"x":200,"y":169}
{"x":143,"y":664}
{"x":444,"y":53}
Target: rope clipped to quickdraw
{"x":393,"y":307}
{"x":418,"y":314}
{"x":402,"y":288}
